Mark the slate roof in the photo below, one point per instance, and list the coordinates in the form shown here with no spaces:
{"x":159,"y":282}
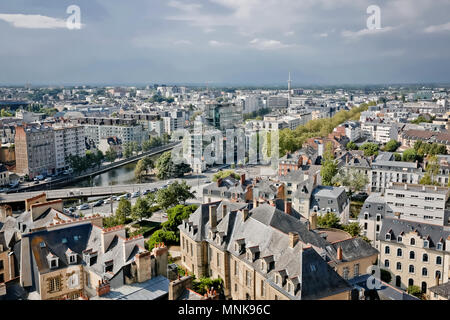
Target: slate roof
{"x":352,"y":249}
{"x":443,"y":290}
{"x":396,"y":227}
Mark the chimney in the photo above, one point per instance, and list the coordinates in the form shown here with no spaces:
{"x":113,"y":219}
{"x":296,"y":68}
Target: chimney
{"x":243,"y":179}
{"x":293,"y":239}
{"x":339,"y":253}
{"x":245,"y":214}
{"x":288,"y":207}
{"x":313,"y":221}
{"x":224,"y":210}
{"x":213,"y":216}
{"x":219,"y":181}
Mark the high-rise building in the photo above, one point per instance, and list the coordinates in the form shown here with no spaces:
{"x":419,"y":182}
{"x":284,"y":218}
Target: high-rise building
{"x":69,"y":140}
{"x":35,"y":150}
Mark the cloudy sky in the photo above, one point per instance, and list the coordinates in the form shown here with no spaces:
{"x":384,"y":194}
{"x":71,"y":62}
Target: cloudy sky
{"x":224,"y":41}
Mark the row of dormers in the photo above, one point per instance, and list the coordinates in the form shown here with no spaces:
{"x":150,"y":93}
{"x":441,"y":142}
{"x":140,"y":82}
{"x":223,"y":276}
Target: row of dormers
{"x":412,"y":241}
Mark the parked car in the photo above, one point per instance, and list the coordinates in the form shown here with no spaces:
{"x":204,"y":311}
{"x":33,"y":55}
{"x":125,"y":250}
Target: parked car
{"x":98,"y":203}
{"x":72,"y":209}
{"x":135,"y":194}
{"x":48,"y":179}
{"x":84,"y":206}
{"x":36,"y":182}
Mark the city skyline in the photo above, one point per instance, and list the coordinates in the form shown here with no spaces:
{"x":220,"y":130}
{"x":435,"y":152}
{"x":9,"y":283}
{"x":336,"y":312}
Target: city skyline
{"x":224,"y":42}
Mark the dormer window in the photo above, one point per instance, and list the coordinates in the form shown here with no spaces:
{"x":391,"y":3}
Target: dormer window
{"x":399,"y":239}
{"x":412,"y":241}
{"x":108,"y":266}
{"x":52,"y":261}
{"x":211,"y":235}
{"x":71,"y":256}
{"x":439,"y":246}
{"x":239,"y":246}
{"x":426,"y":244}
{"x":388,"y":236}
{"x":366,"y":216}
{"x":89,"y":257}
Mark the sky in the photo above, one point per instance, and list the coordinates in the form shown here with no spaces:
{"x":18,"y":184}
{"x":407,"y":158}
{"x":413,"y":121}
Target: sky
{"x":237,"y":42}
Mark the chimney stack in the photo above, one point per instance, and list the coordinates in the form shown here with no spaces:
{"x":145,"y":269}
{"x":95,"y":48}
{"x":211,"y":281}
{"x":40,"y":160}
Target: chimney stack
{"x":219,"y":181}
{"x":243,"y":179}
{"x":339,"y":253}
{"x":293,"y":239}
{"x":245,"y":214}
{"x":288,"y":207}
{"x":224,"y":210}
{"x":313,"y":221}
{"x":213,"y":216}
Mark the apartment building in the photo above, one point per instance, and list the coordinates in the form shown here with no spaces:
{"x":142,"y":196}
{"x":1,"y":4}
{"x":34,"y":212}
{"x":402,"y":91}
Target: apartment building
{"x":69,"y":140}
{"x":4,"y":175}
{"x":386,"y":171}
{"x":380,"y":132}
{"x":419,"y":203}
{"x":261,"y":254}
{"x":223,"y":115}
{"x":35,"y":150}
{"x":415,"y":253}
{"x":127,"y":130}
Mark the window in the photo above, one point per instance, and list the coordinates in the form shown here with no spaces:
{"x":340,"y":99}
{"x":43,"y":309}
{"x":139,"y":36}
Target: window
{"x":263,"y":288}
{"x":54,"y":284}
{"x":235,"y":268}
{"x":438,"y":274}
{"x":387,"y":250}
{"x":366,"y":216}
{"x":439,"y":260}
{"x":388,"y":236}
{"x":399,"y":239}
{"x":1,"y":265}
{"x":412,"y":255}
{"x":345,"y":273}
{"x":424,"y":272}
{"x":218,"y":259}
{"x":356,"y":270}
{"x":412,"y":241}
{"x":439,"y":246}
{"x":410,"y":282}
{"x":425,"y":257}
{"x":411,"y":268}
{"x":378,"y":217}
{"x":386,"y":263}
{"x":2,"y":278}
{"x":399,"y":266}
{"x":247,"y":278}
{"x":425,"y":243}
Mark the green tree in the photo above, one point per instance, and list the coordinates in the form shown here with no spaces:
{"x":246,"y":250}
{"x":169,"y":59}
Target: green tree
{"x":329,"y":220}
{"x":431,"y":171}
{"x":410,"y":155}
{"x":415,"y":291}
{"x":173,"y":195}
{"x":111,"y":154}
{"x":329,"y":166}
{"x":224,"y":174}
{"x":370,"y":149}
{"x":176,"y":215}
{"x":142,"y":167}
{"x":123,"y":210}
{"x":127,"y":150}
{"x":203,"y":284}
{"x":161,"y":235}
{"x":385,"y":275}
{"x":166,"y":169}
{"x":392,"y":146}
{"x":353,"y":228}
{"x":141,"y":209}
{"x":397,"y":156}
{"x":351,"y":146}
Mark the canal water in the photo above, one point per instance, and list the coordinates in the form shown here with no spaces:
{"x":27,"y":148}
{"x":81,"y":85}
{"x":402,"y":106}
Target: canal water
{"x":117,"y":176}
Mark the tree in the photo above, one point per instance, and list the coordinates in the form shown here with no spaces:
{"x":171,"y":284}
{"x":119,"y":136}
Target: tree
{"x":123,"y":210}
{"x":392,"y":146}
{"x":203,"y":284}
{"x":351,"y":146}
{"x":370,"y":149}
{"x":176,"y":215}
{"x":415,"y":291}
{"x":142,"y":167}
{"x":329,"y":220}
{"x":431,"y":171}
{"x":329,"y":166}
{"x":127,"y":150}
{"x":141,"y":209}
{"x":410,"y":155}
{"x":397,"y":156}
{"x":224,"y":174}
{"x":111,"y":154}
{"x":166,"y":169}
{"x":353,"y":228}
{"x":162,"y":235}
{"x":173,"y":195}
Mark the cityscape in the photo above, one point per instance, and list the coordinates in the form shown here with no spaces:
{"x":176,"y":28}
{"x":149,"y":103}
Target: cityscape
{"x":262,"y":186}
